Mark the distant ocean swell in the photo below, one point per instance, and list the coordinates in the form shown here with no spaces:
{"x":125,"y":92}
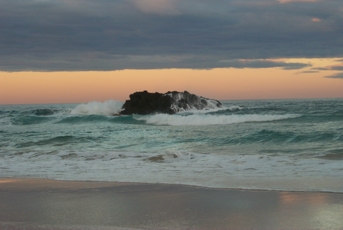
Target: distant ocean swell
{"x":260,"y":137}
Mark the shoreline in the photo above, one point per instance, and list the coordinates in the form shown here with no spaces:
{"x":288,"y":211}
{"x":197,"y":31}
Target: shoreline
{"x":27,"y":203}
{"x":16,"y":182}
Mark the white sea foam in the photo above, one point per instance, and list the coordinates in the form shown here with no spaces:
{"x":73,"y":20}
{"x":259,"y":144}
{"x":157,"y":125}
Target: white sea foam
{"x":200,"y":120}
{"x":109,"y":107}
{"x":5,"y":121}
{"x":235,"y":108}
{"x":182,"y":167}
{"x":196,"y":103}
{"x":201,"y":111}
{"x":210,"y":110}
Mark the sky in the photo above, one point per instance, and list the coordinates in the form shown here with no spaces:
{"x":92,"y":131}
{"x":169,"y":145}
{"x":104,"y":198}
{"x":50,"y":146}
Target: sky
{"x":68,"y":51}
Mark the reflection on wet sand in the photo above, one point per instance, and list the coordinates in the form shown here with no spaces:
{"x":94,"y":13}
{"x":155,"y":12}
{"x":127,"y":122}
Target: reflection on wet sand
{"x":322,"y":210}
{"x":156,"y":206}
{"x":289,"y":198}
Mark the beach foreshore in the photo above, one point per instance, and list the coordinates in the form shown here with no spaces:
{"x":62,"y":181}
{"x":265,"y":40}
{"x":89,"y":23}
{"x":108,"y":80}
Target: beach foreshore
{"x":50,"y":204}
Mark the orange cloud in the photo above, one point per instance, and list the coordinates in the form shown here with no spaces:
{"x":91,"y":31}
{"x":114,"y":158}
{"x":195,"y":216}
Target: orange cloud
{"x":167,"y":7}
{"x":316,"y":20}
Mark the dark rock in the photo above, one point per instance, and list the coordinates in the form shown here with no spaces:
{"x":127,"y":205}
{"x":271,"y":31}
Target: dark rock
{"x":147,"y":103}
{"x":171,"y":102}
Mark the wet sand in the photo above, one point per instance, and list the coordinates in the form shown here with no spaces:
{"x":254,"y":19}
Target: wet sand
{"x":49,"y":204}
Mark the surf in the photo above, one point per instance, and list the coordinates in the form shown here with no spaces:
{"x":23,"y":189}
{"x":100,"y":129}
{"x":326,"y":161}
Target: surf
{"x":109,"y":107}
{"x":202,"y":120}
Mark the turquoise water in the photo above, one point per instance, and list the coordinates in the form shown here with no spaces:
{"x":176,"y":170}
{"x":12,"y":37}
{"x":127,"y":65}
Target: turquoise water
{"x":272,"y":144}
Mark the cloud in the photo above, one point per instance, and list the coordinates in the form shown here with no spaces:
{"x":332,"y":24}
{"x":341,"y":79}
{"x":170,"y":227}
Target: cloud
{"x":54,"y":35}
{"x":316,"y":20}
{"x":336,"y":76}
{"x":290,"y":1}
{"x":310,"y":71}
{"x":98,"y":61}
{"x":263,"y":64}
{"x":336,"y":67}
{"x":163,"y":7}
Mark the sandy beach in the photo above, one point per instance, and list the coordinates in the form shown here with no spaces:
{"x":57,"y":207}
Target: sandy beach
{"x":49,"y":204}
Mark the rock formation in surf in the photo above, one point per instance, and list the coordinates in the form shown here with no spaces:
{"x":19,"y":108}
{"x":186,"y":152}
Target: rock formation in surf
{"x":171,"y":102}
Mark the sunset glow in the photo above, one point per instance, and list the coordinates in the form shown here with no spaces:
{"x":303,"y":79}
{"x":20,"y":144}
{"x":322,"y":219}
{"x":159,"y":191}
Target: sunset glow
{"x":223,"y":84}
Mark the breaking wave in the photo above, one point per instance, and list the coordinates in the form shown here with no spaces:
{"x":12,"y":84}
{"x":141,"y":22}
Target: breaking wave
{"x":109,"y":107}
{"x":200,"y":120}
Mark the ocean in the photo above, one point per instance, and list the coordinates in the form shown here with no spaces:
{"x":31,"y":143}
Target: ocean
{"x":287,"y":145}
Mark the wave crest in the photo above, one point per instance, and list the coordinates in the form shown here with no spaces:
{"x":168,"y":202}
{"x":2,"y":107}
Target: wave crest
{"x":109,"y":107}
{"x":201,"y":120}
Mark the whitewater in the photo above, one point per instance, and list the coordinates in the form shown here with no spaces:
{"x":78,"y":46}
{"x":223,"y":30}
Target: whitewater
{"x":288,"y":145}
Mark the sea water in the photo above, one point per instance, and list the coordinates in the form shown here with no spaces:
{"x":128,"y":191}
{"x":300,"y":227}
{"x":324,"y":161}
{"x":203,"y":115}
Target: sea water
{"x":290,"y":145}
